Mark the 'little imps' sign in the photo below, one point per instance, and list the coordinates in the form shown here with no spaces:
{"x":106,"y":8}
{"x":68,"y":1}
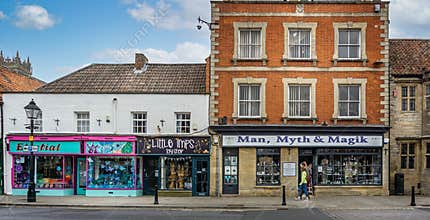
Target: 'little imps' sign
{"x":173,"y":145}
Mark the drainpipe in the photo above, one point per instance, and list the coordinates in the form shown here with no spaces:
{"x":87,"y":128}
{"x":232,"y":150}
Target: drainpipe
{"x":115,"y":114}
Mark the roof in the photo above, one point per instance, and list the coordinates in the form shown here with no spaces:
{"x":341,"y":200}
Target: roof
{"x":121,"y":78}
{"x":16,"y":82}
{"x":409,"y":56}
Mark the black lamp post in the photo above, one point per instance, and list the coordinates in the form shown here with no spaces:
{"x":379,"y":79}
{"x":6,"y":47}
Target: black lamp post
{"x":32,"y":111}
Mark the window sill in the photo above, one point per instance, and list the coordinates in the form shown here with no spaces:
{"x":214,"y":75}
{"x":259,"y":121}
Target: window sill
{"x":286,"y":60}
{"x":342,"y":60}
{"x":236,"y":60}
{"x":335,"y":120}
{"x":286,"y":119}
{"x":261,"y":118}
{"x":268,"y":186}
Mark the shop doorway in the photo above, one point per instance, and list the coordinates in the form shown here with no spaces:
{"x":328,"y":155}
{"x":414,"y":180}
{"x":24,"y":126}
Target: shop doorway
{"x":150,"y":174}
{"x":81,"y":177}
{"x":306,"y":155}
{"x":230,"y":183}
{"x":201,"y":177}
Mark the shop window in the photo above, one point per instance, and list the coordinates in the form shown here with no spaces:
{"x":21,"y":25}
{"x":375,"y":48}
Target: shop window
{"x":183,"y":123}
{"x":299,"y":101}
{"x":349,"y":44}
{"x":428,"y":156}
{"x":349,"y":100}
{"x":268,"y":166}
{"x":407,"y":156}
{"x":51,"y":172}
{"x":250,"y":43}
{"x":428,"y":97}
{"x":349,"y":166}
{"x":176,"y":173}
{"x":299,"y":44}
{"x":111,"y":172}
{"x":408,"y":98}
{"x":139,"y":122}
{"x":82,"y":121}
{"x":249,"y":100}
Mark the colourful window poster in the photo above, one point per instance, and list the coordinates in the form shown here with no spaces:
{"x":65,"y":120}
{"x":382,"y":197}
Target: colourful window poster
{"x":103,"y":147}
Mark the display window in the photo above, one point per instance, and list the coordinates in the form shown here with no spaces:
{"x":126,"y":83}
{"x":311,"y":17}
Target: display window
{"x":112,"y":173}
{"x":52,"y":172}
{"x":349,"y":166}
{"x":176,"y":173}
{"x":268,"y":166}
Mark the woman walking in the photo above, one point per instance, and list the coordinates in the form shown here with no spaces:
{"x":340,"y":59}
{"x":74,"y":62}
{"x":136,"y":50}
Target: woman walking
{"x":303,"y":186}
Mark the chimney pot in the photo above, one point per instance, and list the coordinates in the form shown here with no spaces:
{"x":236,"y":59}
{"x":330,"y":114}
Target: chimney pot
{"x":140,"y":61}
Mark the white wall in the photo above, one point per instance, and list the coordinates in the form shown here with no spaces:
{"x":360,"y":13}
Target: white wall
{"x":101,"y":106}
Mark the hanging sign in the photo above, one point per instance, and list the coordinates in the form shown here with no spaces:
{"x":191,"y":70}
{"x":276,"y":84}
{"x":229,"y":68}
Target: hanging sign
{"x":174,"y":145}
{"x":302,"y":141}
{"x":45,"y":147}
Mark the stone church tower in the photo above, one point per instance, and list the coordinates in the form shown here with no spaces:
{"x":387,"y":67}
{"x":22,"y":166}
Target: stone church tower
{"x":15,"y":64}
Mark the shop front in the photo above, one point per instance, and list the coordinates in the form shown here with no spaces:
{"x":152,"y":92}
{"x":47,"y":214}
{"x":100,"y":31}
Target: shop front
{"x":258,"y":161}
{"x":112,"y":167}
{"x":176,"y":165}
{"x":54,"y":164}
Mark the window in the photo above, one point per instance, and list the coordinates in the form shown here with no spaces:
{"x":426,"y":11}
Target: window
{"x":428,"y":97}
{"x":268,"y":166}
{"x":183,"y":123}
{"x":249,"y":100}
{"x":349,"y":100}
{"x":299,"y":44}
{"x":407,"y":156}
{"x":139,"y":122}
{"x":112,"y":173}
{"x":82,"y":121}
{"x":250,"y":43}
{"x":299,"y":101}
{"x":349,"y":44}
{"x":428,"y":156}
{"x":408,"y":98}
{"x":176,"y":173}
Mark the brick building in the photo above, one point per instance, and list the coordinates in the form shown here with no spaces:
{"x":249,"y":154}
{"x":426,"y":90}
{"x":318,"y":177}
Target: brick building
{"x":295,"y":81}
{"x":410,"y":106}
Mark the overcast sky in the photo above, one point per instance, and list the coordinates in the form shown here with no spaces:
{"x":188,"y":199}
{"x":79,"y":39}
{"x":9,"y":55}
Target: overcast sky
{"x":62,"y":36}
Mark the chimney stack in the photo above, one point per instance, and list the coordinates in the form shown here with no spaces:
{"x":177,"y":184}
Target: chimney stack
{"x":140,"y":61}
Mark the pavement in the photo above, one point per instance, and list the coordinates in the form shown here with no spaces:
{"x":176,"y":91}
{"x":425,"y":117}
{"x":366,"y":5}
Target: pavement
{"x":221,"y":203}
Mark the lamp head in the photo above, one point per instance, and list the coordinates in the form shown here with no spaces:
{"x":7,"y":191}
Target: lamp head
{"x":32,"y":110}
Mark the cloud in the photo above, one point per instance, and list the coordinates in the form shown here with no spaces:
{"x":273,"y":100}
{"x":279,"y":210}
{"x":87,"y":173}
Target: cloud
{"x":186,"y":52}
{"x":170,"y":14}
{"x":410,"y":18}
{"x":33,"y":17}
{"x":2,"y":15}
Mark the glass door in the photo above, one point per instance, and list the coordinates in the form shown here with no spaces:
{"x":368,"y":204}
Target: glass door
{"x":150,"y":174}
{"x":201,"y":177}
{"x":81,"y":177}
{"x":230,"y":171}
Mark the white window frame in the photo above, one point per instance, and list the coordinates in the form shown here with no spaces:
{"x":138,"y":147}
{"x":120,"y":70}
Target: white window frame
{"x":249,"y":80}
{"x":299,"y":81}
{"x":248,"y":101}
{"x":350,"y":81}
{"x":139,"y":120}
{"x":300,"y":31}
{"x":350,"y":101}
{"x":182,"y":120}
{"x":350,"y":25}
{"x":350,"y":45}
{"x":237,"y":26}
{"x":249,"y":44}
{"x":81,"y":120}
{"x":312,"y":26}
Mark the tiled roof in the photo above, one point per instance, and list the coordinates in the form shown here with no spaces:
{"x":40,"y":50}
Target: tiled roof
{"x":121,"y":78}
{"x":16,"y":82}
{"x":409,"y":57}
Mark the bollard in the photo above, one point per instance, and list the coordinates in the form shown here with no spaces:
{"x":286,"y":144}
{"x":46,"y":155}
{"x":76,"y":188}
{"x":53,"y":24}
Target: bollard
{"x":284,"y":203}
{"x":156,"y":195}
{"x":413,"y":196}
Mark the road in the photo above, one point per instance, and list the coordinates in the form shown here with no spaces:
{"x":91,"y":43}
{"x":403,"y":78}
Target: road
{"x":9,"y":213}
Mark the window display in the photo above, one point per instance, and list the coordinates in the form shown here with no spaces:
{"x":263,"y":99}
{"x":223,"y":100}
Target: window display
{"x":268,"y":166}
{"x":230,"y":169}
{"x":111,"y":172}
{"x":21,"y":171}
{"x":176,"y":173}
{"x":349,"y":166}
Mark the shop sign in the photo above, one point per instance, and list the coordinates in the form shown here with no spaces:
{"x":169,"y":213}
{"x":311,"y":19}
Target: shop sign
{"x":302,"y":141}
{"x":46,"y":147}
{"x":108,"y":147}
{"x":174,"y":145}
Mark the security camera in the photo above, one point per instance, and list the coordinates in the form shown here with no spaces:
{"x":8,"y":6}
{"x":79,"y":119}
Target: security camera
{"x":199,"y":27}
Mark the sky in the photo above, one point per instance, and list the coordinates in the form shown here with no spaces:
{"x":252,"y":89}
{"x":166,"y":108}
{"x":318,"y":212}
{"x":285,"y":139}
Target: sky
{"x":61,"y":36}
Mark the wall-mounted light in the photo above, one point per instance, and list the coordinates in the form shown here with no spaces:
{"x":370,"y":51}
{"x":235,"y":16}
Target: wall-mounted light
{"x":13,"y":120}
{"x":162,"y":122}
{"x":201,"y":21}
{"x":107,"y":119}
{"x":57,"y":121}
{"x":99,"y":121}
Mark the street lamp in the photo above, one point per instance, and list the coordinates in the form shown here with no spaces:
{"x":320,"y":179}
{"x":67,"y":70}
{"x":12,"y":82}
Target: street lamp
{"x":32,"y":111}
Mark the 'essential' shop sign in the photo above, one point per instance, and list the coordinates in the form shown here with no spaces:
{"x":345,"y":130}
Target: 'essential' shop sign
{"x":301,"y":141}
